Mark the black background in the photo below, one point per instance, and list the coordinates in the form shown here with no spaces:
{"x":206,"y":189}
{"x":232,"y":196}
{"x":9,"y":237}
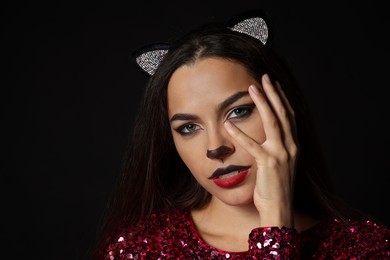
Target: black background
{"x":69,"y":94}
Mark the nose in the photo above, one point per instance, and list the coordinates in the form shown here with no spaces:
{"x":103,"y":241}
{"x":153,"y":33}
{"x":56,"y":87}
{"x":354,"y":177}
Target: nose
{"x":220,"y":153}
{"x":218,"y":138}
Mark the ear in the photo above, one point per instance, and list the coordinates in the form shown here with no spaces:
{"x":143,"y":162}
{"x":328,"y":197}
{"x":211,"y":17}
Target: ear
{"x":253,"y":24}
{"x":149,"y":57}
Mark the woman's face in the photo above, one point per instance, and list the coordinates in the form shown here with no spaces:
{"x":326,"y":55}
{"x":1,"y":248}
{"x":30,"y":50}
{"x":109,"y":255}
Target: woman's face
{"x":201,"y":97}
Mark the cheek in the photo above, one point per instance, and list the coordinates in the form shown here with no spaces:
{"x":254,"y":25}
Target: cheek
{"x":254,"y":129}
{"x":189,"y":151}
{"x":192,"y":156}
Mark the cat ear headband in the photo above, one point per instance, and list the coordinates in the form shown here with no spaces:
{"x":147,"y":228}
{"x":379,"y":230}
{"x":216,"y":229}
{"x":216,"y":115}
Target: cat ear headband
{"x":149,"y":57}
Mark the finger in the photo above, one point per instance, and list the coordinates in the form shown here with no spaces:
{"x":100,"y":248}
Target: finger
{"x":291,"y":112}
{"x":274,"y":99}
{"x":270,"y":122}
{"x":282,"y":111}
{"x":250,"y":145}
{"x":284,"y":99}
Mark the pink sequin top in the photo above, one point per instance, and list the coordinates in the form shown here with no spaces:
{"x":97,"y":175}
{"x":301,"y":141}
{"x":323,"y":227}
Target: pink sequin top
{"x":173,"y":236}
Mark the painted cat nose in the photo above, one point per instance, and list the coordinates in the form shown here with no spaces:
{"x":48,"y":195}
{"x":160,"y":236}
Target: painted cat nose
{"x":220,"y":153}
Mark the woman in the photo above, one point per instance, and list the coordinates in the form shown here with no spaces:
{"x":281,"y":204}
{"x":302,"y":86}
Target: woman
{"x":223,"y":162}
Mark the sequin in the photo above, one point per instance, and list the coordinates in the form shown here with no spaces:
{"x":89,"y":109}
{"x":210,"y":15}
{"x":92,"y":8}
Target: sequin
{"x":173,"y":236}
{"x":267,"y":242}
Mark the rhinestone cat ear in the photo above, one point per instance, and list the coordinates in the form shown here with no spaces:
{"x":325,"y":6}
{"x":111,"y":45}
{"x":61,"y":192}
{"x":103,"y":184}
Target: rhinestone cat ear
{"x":254,"y":26}
{"x":149,"y":58}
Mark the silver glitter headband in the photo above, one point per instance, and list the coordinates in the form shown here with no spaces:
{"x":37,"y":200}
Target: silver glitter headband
{"x":149,"y":58}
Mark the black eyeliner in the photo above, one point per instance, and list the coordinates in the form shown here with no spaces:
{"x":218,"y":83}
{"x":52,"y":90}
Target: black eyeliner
{"x":180,"y":128}
{"x":249,"y":107}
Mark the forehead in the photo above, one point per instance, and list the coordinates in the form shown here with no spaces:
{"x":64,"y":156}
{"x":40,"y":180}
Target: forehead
{"x":207,"y":81}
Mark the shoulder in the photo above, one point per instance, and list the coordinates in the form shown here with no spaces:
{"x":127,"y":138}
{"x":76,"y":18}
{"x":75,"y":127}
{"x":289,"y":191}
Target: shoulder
{"x":149,"y":236}
{"x":347,"y":238}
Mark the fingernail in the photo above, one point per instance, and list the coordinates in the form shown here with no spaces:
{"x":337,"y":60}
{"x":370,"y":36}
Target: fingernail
{"x":254,"y":89}
{"x":266,"y":78}
{"x":228,"y":125}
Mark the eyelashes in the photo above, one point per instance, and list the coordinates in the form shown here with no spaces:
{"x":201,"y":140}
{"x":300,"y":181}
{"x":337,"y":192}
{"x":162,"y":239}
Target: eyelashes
{"x":187,"y":129}
{"x":240,"y":112}
{"x":235,"y":114}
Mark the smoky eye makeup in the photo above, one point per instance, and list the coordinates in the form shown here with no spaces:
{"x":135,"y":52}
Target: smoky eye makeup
{"x":237,"y":113}
{"x":187,"y":129}
{"x":240,"y":112}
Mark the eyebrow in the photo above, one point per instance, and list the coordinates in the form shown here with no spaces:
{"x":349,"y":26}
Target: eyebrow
{"x":188,"y":117}
{"x":230,"y":100}
{"x":227,"y":102}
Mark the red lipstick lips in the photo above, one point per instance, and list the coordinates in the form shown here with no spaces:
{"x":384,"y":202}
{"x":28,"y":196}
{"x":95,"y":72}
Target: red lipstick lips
{"x":230,"y":176}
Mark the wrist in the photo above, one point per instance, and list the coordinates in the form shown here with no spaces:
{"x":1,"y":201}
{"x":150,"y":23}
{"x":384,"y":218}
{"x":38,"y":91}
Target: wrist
{"x":277,"y":219}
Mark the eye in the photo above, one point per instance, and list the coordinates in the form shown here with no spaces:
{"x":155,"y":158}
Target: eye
{"x":241,"y":112}
{"x":187,"y":129}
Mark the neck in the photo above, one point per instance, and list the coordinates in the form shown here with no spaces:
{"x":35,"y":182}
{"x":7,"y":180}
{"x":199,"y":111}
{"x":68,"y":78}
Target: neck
{"x":221,"y":216}
{"x":217,"y":215}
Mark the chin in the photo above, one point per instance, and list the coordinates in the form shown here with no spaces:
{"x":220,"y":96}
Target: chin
{"x":235,"y":199}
